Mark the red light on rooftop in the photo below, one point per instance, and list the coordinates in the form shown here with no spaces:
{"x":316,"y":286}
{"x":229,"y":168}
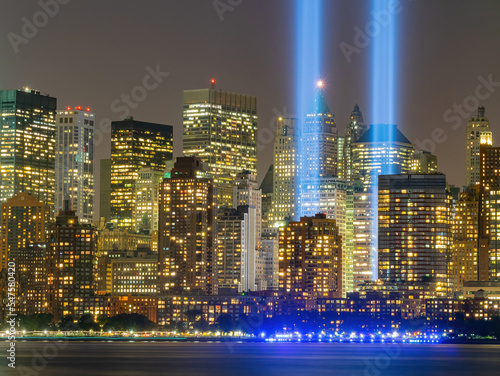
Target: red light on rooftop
{"x":68,"y":108}
{"x":78,"y":108}
{"x":88,"y":109}
{"x":212,"y":81}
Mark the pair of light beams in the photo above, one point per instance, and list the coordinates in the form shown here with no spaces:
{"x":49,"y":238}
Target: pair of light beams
{"x":308,"y":58}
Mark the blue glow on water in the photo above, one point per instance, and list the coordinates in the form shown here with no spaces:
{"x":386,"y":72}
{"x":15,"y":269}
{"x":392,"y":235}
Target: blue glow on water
{"x":383,"y":96}
{"x":308,"y":41}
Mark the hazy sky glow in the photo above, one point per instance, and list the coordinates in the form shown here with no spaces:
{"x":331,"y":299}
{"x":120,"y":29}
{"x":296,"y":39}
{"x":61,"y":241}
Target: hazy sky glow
{"x":92,"y":52}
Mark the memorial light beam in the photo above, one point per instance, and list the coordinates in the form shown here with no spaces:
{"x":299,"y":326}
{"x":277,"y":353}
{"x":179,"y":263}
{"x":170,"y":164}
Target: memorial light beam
{"x":383,"y":96}
{"x":308,"y":39}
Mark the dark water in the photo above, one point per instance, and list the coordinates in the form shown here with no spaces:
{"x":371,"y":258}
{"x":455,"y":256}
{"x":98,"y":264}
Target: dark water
{"x":242,"y":359}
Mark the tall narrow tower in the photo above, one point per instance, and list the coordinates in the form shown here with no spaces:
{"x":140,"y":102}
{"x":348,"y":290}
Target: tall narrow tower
{"x":318,"y":147}
{"x":477,"y":127}
{"x":319,"y":138}
{"x":285,"y":172}
{"x":354,"y":130}
{"x":75,"y":161}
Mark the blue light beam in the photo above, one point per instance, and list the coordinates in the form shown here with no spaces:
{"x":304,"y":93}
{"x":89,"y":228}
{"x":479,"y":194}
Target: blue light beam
{"x":383,"y":97}
{"x":308,"y":41}
{"x":383,"y":68}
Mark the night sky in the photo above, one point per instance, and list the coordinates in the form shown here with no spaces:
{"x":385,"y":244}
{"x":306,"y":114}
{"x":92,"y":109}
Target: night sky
{"x":91,"y":52}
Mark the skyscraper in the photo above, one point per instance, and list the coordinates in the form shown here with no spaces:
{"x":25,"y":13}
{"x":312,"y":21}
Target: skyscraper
{"x":136,"y":274}
{"x":236,"y":249}
{"x":220,"y":128}
{"x":32,"y":266}
{"x":267,"y":188}
{"x":382,"y":149}
{"x":246,"y":192}
{"x":267,"y":269}
{"x":414,"y":232}
{"x":71,"y":248}
{"x":365,"y":247}
{"x":317,"y":149}
{"x":285,"y":172}
{"x":75,"y":161}
{"x":477,"y":127}
{"x":489,"y":213}
{"x":105,"y":190}
{"x":340,"y":157}
{"x":187,"y":229}
{"x":27,"y":139}
{"x":147,"y":187}
{"x":354,"y":130}
{"x":23,"y":223}
{"x":423,"y":162}
{"x":134,"y":144}
{"x":465,"y":237}
{"x":310,"y":258}
{"x":334,"y":198}
{"x":318,"y":138}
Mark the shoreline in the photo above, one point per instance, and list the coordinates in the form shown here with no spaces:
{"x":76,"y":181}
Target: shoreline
{"x":235,"y":340}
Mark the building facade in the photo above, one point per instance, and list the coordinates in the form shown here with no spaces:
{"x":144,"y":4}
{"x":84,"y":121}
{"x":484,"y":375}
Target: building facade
{"x":489,"y":213}
{"x":414,"y":232}
{"x":187,"y":229}
{"x":477,"y":127}
{"x":354,"y":130}
{"x":382,"y":149}
{"x":105,"y":190}
{"x":75,"y":161}
{"x":465,"y":237}
{"x":317,"y":148}
{"x":334,"y":197}
{"x":423,"y":162}
{"x":27,"y":139}
{"x":284,"y":173}
{"x":134,"y":145}
{"x":134,"y":276}
{"x":32,"y":274}
{"x":365,"y":247}
{"x":147,"y":186}
{"x":236,"y":249}
{"x":23,"y":222}
{"x":310,"y":258}
{"x":220,"y":128}
{"x":267,"y":187}
{"x":71,"y":255}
